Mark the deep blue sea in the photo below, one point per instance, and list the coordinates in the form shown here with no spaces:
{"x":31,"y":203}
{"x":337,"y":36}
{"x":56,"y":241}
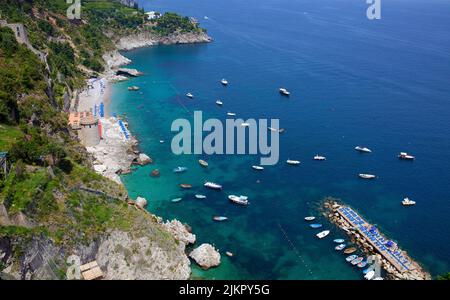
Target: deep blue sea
{"x":384,"y":84}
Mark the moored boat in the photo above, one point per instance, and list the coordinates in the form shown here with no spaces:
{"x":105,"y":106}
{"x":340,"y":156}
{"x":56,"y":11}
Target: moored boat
{"x":339,"y":247}
{"x":293,"y":162}
{"x":189,"y":95}
{"x":319,"y":157}
{"x":357,"y":260}
{"x":213,"y":185}
{"x":323,"y":234}
{"x":242,"y":200}
{"x":245,"y":124}
{"x":185,"y":186}
{"x":315,"y":226}
{"x":406,"y":156}
{"x":284,"y":91}
{"x":133,"y":88}
{"x":230,"y":114}
{"x":351,"y":257}
{"x":176,"y":200}
{"x":155,"y":173}
{"x":258,"y":168}
{"x":350,"y":250}
{"x":180,"y":169}
{"x":339,"y":241}
{"x":369,"y":275}
{"x":363,"y":149}
{"x":366,"y":176}
{"x":310,"y":218}
{"x":362,"y":264}
{"x":224,"y":81}
{"x":198,"y":196}
{"x":407,"y":202}
{"x":220,"y":218}
{"x":203,"y":163}
{"x":229,"y":254}
{"x":218,"y":102}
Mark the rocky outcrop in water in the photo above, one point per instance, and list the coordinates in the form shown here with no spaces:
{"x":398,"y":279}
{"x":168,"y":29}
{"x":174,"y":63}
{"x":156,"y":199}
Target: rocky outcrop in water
{"x":180,"y":231}
{"x":206,"y":256}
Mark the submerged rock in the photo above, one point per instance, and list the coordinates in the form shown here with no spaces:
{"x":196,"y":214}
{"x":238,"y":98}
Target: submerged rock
{"x":206,"y":256}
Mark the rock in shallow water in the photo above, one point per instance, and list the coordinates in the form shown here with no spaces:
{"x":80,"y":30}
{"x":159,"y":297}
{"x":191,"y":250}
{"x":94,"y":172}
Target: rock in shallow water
{"x":206,"y":256}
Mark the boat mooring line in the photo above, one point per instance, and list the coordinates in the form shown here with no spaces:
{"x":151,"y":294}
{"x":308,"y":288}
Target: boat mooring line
{"x":294,"y":248}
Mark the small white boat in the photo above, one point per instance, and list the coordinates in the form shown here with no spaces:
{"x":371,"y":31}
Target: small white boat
{"x":406,"y":156}
{"x":367,"y":176}
{"x":293,"y":162}
{"x":213,"y":185}
{"x":284,"y":91}
{"x":230,"y":114}
{"x":245,"y":124}
{"x":161,"y":141}
{"x":319,"y":157}
{"x":259,"y":168}
{"x":363,"y":149}
{"x":242,"y":200}
{"x":220,"y":218}
{"x":206,"y":18}
{"x":203,"y":163}
{"x":408,"y":202}
{"x":369,"y":275}
{"x":310,"y":218}
{"x":198,"y":196}
{"x":218,"y":102}
{"x":339,"y":241}
{"x":272,"y":129}
{"x":224,"y":81}
{"x":379,"y":278}
{"x":339,"y":247}
{"x":189,"y":95}
{"x":176,"y":200}
{"x":180,"y":169}
{"x":323,"y":234}
{"x":229,"y":254}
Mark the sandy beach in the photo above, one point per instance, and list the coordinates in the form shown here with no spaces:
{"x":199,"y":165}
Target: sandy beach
{"x":97,"y":90}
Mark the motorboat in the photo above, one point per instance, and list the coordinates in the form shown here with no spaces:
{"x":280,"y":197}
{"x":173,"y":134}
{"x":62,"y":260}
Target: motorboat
{"x":310,"y":218}
{"x":224,"y":81}
{"x":185,"y":186}
{"x":284,"y":92}
{"x":218,"y":102}
{"x":366,"y":176}
{"x":220,"y":218}
{"x":281,"y":130}
{"x":378,"y":278}
{"x":339,"y":241}
{"x":406,"y":156}
{"x":339,"y":247}
{"x":161,"y":141}
{"x":189,"y":95}
{"x":272,"y":129}
{"x":213,"y":185}
{"x":315,"y":226}
{"x":363,"y":149}
{"x":242,"y":200}
{"x":245,"y":124}
{"x":198,"y":196}
{"x":133,"y":88}
{"x":407,"y":202}
{"x":258,"y":168}
{"x":203,"y":163}
{"x":180,"y":169}
{"x":176,"y":200}
{"x":370,"y":274}
{"x":323,"y":234}
{"x":229,"y":254}
{"x":155,"y":173}
{"x":293,"y":162}
{"x":350,"y":250}
{"x":230,"y":114}
{"x":357,"y":260}
{"x":351,"y":257}
{"x":362,"y":264}
{"x":319,"y":157}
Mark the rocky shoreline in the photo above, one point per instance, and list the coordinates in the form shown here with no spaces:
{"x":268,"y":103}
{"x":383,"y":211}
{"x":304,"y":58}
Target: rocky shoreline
{"x":115,"y":155}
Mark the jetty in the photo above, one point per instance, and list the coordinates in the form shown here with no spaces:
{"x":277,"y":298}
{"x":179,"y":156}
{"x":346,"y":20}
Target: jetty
{"x":394,"y":261}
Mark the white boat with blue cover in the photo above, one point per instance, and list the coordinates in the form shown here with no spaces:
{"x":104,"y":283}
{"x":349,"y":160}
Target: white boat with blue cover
{"x":339,"y":241}
{"x":315,"y":226}
{"x":180,"y":169}
{"x":198,"y":196}
{"x":310,"y":218}
{"x":351,"y":257}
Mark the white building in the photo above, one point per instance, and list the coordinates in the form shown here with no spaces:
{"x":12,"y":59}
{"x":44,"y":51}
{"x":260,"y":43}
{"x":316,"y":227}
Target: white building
{"x":151,"y":15}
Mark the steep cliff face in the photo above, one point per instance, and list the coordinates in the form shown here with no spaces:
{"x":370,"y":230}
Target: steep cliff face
{"x":145,"y":39}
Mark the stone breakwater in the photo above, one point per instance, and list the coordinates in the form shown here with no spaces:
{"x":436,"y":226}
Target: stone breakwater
{"x":415,"y":272}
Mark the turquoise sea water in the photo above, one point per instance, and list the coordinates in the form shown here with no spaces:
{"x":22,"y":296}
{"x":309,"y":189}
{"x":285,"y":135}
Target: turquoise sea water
{"x":383,"y":84}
